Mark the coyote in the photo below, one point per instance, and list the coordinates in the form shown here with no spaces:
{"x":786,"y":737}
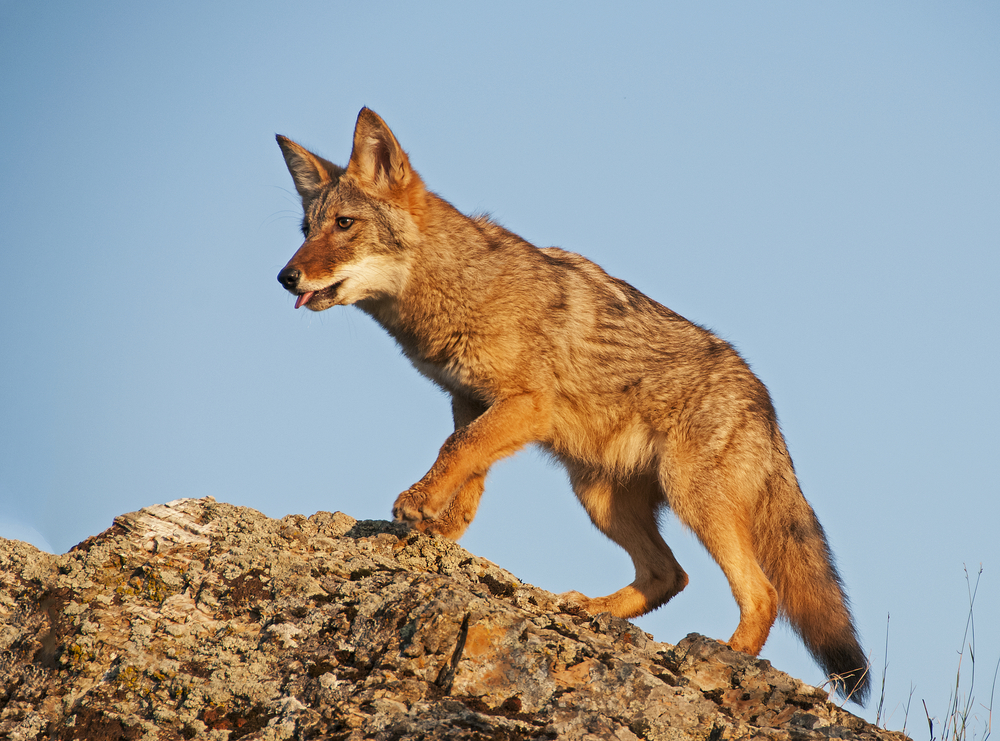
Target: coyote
{"x":645,"y":409}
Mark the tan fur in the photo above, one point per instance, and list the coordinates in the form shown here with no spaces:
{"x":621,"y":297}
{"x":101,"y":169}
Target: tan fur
{"x":645,"y":409}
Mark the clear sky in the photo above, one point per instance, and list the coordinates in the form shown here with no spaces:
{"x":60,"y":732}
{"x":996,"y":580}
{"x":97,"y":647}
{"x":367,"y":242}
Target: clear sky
{"x":817,"y":182}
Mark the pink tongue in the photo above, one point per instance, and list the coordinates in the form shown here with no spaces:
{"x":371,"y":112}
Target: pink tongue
{"x":304,"y":298}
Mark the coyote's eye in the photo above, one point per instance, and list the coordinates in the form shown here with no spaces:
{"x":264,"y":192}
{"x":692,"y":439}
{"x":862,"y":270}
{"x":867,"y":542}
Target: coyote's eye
{"x":344,"y":222}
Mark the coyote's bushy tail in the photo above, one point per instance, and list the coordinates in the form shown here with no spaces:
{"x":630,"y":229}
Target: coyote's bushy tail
{"x":794,"y":554}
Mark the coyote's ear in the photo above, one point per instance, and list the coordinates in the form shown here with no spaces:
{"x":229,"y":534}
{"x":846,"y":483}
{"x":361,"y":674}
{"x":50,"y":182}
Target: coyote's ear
{"x":377,"y":160}
{"x":309,"y":172}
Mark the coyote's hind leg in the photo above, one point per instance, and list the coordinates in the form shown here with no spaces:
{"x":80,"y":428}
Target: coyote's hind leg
{"x":625,"y":511}
{"x":715,"y":501}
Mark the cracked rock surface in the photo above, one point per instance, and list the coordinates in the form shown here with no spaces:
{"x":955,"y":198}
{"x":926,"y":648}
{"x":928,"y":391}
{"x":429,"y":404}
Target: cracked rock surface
{"x":199,"y":619}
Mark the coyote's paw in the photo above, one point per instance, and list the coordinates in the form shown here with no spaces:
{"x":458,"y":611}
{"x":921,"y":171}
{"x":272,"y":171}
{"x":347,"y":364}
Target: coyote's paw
{"x":445,"y":527}
{"x":407,"y":508}
{"x":411,"y":507}
{"x":575,"y":599}
{"x":451,"y":521}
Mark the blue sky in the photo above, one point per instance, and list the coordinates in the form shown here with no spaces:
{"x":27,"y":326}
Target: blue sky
{"x":817,"y":182}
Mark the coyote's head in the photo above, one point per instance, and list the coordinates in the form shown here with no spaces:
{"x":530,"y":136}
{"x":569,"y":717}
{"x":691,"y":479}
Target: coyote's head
{"x":357,"y":222}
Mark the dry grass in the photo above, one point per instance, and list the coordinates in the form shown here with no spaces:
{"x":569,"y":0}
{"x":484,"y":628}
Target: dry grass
{"x":964,"y":718}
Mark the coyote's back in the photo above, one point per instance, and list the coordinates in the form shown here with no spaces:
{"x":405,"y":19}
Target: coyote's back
{"x":645,"y":409}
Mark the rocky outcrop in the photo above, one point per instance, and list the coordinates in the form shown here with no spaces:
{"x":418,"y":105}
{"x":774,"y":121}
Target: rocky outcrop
{"x":198,"y":619}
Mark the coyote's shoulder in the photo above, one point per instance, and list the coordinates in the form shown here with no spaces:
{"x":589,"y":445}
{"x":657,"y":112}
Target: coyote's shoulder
{"x":645,"y":409}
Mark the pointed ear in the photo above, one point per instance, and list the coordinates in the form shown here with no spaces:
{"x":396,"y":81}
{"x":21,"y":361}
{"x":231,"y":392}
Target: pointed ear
{"x":377,"y":160}
{"x":309,"y":171}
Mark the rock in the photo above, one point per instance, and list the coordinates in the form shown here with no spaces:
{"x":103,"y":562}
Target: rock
{"x":199,"y":619}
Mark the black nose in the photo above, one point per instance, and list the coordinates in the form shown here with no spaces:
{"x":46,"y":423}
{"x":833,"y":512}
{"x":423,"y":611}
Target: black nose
{"x":289,"y":278}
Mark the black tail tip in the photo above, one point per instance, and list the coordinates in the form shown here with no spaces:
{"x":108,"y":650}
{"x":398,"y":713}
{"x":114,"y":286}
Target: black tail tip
{"x":853,"y":685}
{"x":848,"y":669}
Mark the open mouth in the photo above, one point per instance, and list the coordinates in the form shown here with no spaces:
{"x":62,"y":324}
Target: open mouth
{"x":330,"y":292}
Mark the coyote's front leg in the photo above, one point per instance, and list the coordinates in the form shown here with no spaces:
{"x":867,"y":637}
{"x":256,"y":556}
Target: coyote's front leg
{"x":455,"y":518}
{"x":504,"y":428}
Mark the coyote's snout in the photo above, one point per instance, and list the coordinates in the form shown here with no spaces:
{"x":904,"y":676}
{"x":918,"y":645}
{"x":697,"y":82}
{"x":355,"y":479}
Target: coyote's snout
{"x":645,"y":409}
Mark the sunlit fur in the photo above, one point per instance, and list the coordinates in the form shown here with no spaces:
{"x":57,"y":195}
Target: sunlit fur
{"x":644,"y":409}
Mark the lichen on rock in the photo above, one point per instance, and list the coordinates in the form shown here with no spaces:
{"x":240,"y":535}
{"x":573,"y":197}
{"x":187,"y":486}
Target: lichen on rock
{"x":200,"y":619}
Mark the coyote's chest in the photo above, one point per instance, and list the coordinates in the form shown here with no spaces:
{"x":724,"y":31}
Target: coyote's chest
{"x":451,"y":375}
